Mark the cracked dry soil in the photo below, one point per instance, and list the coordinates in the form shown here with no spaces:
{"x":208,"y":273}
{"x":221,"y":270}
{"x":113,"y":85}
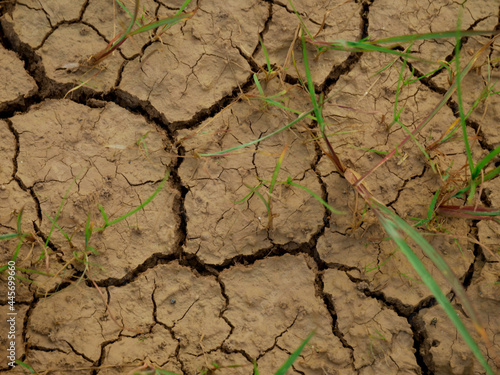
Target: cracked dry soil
{"x":194,"y":278}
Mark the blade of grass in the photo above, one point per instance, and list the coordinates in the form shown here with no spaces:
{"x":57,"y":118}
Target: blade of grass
{"x":271,"y":187}
{"x":170,"y":21}
{"x":130,"y":213}
{"x":58,"y":213}
{"x":484,"y":162}
{"x":314,"y":195}
{"x":301,"y":117}
{"x":252,"y":191}
{"x":266,"y":55}
{"x":293,"y":357}
{"x":438,"y":261}
{"x":458,"y":84}
{"x":181,"y":9}
{"x":317,"y":110}
{"x":392,"y":228}
{"x":8,"y":236}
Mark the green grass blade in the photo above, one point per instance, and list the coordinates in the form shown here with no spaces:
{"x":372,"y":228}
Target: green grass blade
{"x":432,"y":207}
{"x":304,"y":27}
{"x":392,"y":228}
{"x":58,"y":227}
{"x":277,"y":170}
{"x":268,"y":209}
{"x":252,"y":191}
{"x":314,"y":195}
{"x":170,"y":21}
{"x":140,"y":207}
{"x":66,"y":194}
{"x":8,"y":236}
{"x":459,"y":97}
{"x":104,"y":215}
{"x":183,"y":6}
{"x":255,"y":369}
{"x":484,"y":162}
{"x":19,"y":219}
{"x":131,"y":24}
{"x":27,"y":367}
{"x":301,"y":117}
{"x":126,"y":10}
{"x":88,"y":232}
{"x":310,"y":86}
{"x":257,"y":83}
{"x":437,"y":35}
{"x":293,"y":357}
{"x":264,"y":50}
{"x":18,"y":247}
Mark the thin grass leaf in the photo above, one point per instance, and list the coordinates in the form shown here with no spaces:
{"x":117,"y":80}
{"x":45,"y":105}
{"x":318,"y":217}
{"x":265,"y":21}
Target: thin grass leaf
{"x":458,"y":83}
{"x":350,"y":46}
{"x":8,"y":236}
{"x":301,"y":117}
{"x":268,"y":209}
{"x":42,"y":255}
{"x":438,"y":261}
{"x":484,"y":162}
{"x":432,"y":207}
{"x":277,"y":170}
{"x":19,"y":219}
{"x":252,"y":191}
{"x":255,"y":369}
{"x":317,"y":111}
{"x":315,"y":196}
{"x":126,"y":10}
{"x":392,"y":228}
{"x":266,"y":55}
{"x":170,"y":21}
{"x":488,"y":176}
{"x":302,"y":24}
{"x":310,"y":86}
{"x":438,"y":35}
{"x":140,"y":207}
{"x":293,"y":357}
{"x":181,"y":9}
{"x":19,"y":244}
{"x":271,"y":187}
{"x":257,"y":83}
{"x":88,"y":231}
{"x":104,"y":215}
{"x":26,"y":366}
{"x":58,"y":227}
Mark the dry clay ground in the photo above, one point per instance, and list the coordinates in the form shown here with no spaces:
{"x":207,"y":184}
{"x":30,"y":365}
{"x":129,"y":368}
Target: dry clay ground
{"x":198,"y":276}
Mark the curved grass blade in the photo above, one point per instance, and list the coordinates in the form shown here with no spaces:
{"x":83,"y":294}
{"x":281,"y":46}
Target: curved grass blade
{"x":484,"y":162}
{"x":301,"y":117}
{"x":289,"y":362}
{"x":130,"y":213}
{"x":393,"y":224}
{"x":315,"y":196}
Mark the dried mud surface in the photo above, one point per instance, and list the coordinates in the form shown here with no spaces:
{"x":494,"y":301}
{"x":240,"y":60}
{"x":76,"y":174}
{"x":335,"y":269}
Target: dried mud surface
{"x":201,"y":275}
